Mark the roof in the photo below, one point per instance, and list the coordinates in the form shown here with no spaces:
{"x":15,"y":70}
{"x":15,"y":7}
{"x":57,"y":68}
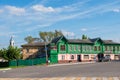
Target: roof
{"x":79,"y":41}
{"x":55,"y":40}
{"x":36,"y":44}
{"x":109,"y":42}
{"x":95,"y":39}
{"x":91,"y":41}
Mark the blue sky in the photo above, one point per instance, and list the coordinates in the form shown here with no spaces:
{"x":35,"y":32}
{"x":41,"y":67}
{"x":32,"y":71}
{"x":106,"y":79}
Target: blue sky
{"x":94,"y":18}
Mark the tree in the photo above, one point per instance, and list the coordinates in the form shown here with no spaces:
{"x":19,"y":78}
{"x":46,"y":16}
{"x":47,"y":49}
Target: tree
{"x":48,"y":36}
{"x":11,"y":53}
{"x":1,"y":53}
{"x":58,"y":33}
{"x":30,"y":39}
{"x":84,"y":36}
{"x":43,"y":36}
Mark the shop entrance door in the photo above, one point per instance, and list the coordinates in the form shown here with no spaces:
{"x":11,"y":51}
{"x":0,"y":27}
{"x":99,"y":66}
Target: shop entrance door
{"x":79,"y":58}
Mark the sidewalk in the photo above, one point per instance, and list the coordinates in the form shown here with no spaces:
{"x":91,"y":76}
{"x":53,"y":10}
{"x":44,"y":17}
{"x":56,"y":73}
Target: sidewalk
{"x":70,"y":63}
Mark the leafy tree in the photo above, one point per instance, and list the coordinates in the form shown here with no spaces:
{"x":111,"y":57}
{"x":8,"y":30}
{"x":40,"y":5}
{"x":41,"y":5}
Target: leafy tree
{"x":57,"y":33}
{"x":43,"y":36}
{"x":1,"y":53}
{"x":84,"y":36}
{"x":48,"y":36}
{"x":11,"y":53}
{"x":30,"y":39}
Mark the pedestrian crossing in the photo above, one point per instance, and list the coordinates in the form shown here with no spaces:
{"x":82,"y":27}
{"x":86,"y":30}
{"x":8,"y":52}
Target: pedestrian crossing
{"x":65,"y":78}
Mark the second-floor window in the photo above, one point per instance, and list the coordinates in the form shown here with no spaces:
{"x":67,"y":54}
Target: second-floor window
{"x":99,"y":48}
{"x":70,"y":47}
{"x":79,"y":48}
{"x":54,"y":47}
{"x":62,"y":47}
{"x":95,"y":48}
{"x":75,"y":47}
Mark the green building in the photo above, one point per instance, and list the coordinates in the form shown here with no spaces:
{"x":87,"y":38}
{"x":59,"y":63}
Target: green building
{"x":62,"y":50}
{"x":75,"y":50}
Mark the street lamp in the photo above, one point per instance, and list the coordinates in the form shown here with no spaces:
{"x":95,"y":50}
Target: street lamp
{"x":46,"y":54}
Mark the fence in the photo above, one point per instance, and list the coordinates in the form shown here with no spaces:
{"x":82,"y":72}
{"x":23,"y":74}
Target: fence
{"x":29,"y":62}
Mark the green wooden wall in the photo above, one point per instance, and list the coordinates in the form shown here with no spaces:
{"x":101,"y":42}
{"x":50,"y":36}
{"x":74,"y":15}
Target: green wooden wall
{"x":82,"y":48}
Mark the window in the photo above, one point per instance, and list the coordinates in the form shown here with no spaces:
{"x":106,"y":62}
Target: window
{"x":62,"y":48}
{"x":63,"y":57}
{"x":108,"y":56}
{"x":85,"y":48}
{"x":88,"y":48}
{"x":54,"y":47}
{"x":116,"y":57}
{"x":99,"y":48}
{"x":117,"y":48}
{"x":75,"y":47}
{"x":91,"y":48}
{"x":110,"y":48}
{"x":72,"y":56}
{"x":95,"y":48}
{"x":70,"y":47}
{"x":106,"y":48}
{"x":79,"y":48}
{"x":86,"y":56}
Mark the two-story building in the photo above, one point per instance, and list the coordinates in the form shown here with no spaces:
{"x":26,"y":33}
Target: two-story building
{"x":62,"y":50}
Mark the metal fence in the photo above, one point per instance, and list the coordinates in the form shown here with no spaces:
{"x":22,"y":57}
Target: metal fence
{"x":28,"y":62}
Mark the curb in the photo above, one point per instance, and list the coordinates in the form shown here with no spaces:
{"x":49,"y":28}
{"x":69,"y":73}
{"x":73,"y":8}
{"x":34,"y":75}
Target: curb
{"x":5,"y":69}
{"x":70,"y":64}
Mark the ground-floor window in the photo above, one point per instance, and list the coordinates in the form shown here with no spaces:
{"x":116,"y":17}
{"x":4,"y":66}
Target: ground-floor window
{"x":108,"y":55}
{"x":86,"y":56}
{"x":63,"y":57}
{"x":116,"y":57}
{"x":72,"y":56}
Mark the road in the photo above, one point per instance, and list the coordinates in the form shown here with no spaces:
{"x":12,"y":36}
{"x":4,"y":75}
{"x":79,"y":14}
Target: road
{"x":104,"y":69}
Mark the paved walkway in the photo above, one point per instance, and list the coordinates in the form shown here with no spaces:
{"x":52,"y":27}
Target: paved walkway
{"x":65,"y":78}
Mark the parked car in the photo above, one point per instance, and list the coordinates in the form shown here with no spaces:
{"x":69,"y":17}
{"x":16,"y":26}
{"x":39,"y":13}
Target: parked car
{"x":106,"y":58}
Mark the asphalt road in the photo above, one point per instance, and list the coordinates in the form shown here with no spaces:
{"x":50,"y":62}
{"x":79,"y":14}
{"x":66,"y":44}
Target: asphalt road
{"x":104,"y":69}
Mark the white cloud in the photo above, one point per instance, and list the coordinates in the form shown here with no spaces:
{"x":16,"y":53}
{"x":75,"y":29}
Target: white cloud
{"x":37,"y":27}
{"x":67,"y":33}
{"x":84,"y":29}
{"x":30,"y":21}
{"x":1,"y":10}
{"x":42,"y":8}
{"x":14,"y":10}
{"x":116,"y":10}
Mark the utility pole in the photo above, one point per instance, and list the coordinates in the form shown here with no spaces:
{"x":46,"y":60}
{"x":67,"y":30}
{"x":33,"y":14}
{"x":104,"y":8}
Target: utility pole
{"x":46,"y":54}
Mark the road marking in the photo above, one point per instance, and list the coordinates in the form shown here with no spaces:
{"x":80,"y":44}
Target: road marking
{"x":69,"y":64}
{"x":116,"y":78}
{"x":105,"y":78}
{"x":65,"y":78}
{"x":110,"y":78}
{"x":88,"y":78}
